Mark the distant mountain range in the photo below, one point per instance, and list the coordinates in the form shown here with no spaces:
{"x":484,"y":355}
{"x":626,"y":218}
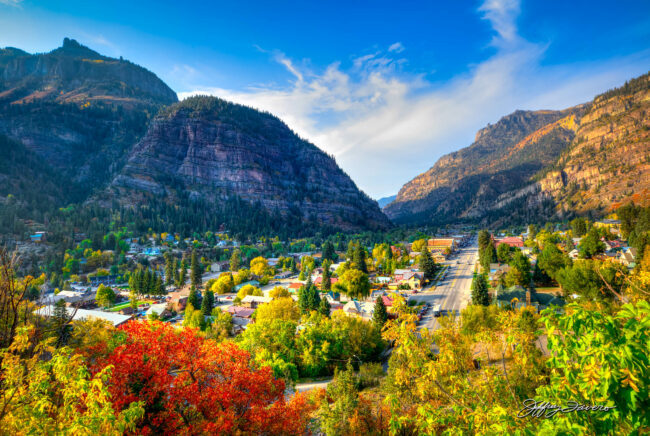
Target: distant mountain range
{"x":88,"y":123}
{"x":386,"y":200}
{"x":538,"y":165}
{"x":79,"y":127}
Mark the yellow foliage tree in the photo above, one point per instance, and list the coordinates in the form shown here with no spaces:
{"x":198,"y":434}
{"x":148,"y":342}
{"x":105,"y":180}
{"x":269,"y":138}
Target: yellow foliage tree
{"x":283,"y":308}
{"x":57,"y":395}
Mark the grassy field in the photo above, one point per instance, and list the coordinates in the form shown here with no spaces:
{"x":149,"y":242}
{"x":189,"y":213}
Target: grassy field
{"x":121,"y":306}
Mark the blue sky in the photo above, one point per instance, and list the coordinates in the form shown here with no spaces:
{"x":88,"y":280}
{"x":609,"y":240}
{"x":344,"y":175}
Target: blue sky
{"x":387,"y":87}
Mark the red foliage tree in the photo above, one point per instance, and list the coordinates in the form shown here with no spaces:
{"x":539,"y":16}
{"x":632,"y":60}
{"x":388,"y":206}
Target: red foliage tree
{"x":193,"y":385}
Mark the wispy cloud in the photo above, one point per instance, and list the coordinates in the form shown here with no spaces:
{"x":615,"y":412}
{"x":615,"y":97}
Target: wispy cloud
{"x":15,"y":3}
{"x":386,"y":126}
{"x":397,"y":47}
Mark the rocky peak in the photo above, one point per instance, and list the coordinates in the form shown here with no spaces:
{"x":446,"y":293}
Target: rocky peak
{"x":208,"y":148}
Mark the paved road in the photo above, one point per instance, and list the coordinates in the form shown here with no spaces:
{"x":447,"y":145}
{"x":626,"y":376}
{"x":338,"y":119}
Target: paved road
{"x":453,"y":292}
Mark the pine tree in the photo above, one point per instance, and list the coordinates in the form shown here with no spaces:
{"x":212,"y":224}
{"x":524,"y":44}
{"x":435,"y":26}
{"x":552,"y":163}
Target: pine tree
{"x":235,"y":260}
{"x":182,"y":274}
{"x":328,"y":251}
{"x":480,"y":294}
{"x":302,"y":300}
{"x":326,"y":284}
{"x":427,"y":264}
{"x":193,"y":298}
{"x":360,"y":259}
{"x":61,"y":323}
{"x":160,"y":286}
{"x":195,"y":271}
{"x":324,"y":307}
{"x":380,"y":315}
{"x":313,"y":299}
{"x":208,"y":302}
{"x":140,"y":282}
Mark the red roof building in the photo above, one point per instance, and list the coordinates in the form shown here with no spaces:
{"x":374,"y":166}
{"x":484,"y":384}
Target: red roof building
{"x":511,"y":241}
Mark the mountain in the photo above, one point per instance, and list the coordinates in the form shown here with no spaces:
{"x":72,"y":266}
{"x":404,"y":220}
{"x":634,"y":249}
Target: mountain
{"x":78,"y":110}
{"x":209,"y":150}
{"x":539,"y":165}
{"x":382,"y":202}
{"x":503,"y":156}
{"x":608,"y":163}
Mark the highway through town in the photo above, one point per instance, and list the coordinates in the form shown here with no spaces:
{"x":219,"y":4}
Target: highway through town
{"x":453,"y":292}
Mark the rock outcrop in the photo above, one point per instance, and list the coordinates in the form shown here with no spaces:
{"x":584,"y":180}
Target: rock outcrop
{"x":210,"y":149}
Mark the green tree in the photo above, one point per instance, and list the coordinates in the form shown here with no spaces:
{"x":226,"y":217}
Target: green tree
{"x":344,"y":396}
{"x":328,"y":251}
{"x":380,"y":315}
{"x":193,"y":298}
{"x":208,"y":302}
{"x":591,"y":244}
{"x":235,"y":260}
{"x":603,"y":355}
{"x":182,"y":275}
{"x":484,"y":239}
{"x":356,"y":283}
{"x":503,"y":253}
{"x":551,"y":260}
{"x":487,"y":256}
{"x":324,"y":307}
{"x":326,"y":284}
{"x":579,"y":227}
{"x":427,"y":264}
{"x":480,"y":294}
{"x":195,"y":271}
{"x":105,"y":296}
{"x":169,"y":269}
{"x":359,"y":261}
{"x":521,"y":263}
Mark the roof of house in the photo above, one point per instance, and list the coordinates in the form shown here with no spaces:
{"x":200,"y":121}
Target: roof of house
{"x":157,"y":308}
{"x":255,"y":298}
{"x":319,"y":280}
{"x":241,"y":312}
{"x":360,"y":307}
{"x":113,"y":317}
{"x":295,"y":285}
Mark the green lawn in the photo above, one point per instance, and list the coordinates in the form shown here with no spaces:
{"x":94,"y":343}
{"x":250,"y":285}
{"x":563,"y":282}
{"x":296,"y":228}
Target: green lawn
{"x":121,"y":306}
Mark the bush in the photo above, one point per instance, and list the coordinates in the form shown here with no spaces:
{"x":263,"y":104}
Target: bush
{"x":370,"y":374}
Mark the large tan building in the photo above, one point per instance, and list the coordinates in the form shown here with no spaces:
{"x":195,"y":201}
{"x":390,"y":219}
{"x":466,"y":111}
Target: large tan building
{"x":441,"y":243}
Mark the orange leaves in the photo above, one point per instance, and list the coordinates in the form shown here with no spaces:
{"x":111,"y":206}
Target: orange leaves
{"x":193,"y":385}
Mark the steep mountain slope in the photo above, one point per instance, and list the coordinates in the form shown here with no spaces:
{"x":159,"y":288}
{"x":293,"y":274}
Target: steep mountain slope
{"x":503,"y":156}
{"x":608,"y":163}
{"x":207,"y":149}
{"x":77,"y":109}
{"x":585,"y":160}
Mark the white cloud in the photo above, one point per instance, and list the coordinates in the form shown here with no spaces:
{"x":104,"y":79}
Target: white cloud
{"x":397,"y":47}
{"x":502,"y":15}
{"x":11,"y":2}
{"x":385,"y":126}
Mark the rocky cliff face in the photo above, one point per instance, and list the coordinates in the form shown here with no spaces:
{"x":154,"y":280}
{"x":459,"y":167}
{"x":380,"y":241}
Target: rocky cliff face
{"x":534,"y":166}
{"x":80,"y":111}
{"x":608,"y":162}
{"x":206,"y":148}
{"x":503,"y":156}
